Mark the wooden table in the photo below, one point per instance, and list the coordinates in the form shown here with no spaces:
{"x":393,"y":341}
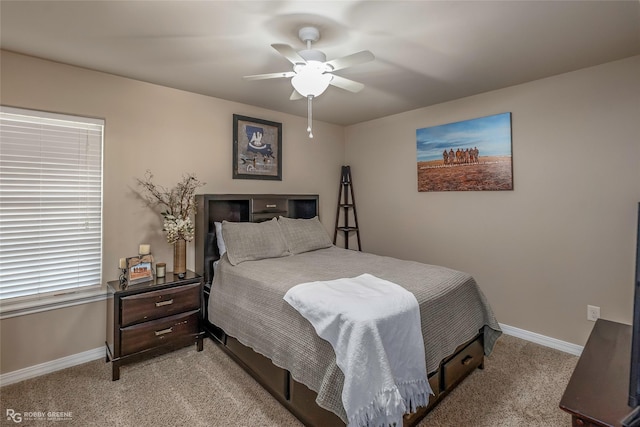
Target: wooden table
{"x":598,"y":391}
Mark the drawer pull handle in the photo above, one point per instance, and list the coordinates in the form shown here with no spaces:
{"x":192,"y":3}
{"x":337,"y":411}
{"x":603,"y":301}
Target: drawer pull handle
{"x":167,"y":302}
{"x":467,"y":360}
{"x":272,"y":206}
{"x":164,"y":331}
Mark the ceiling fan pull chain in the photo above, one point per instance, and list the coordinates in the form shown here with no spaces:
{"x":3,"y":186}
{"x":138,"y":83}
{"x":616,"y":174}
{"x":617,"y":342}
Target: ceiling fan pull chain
{"x":309,"y":115}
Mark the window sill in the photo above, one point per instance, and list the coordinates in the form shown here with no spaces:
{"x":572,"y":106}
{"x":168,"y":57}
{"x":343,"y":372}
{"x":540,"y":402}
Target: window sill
{"x":31,"y":306}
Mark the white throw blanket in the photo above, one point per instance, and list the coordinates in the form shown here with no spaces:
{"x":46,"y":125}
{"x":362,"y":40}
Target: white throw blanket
{"x":374,"y":328}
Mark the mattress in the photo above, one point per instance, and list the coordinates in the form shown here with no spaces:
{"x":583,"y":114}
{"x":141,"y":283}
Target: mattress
{"x":247,"y":303}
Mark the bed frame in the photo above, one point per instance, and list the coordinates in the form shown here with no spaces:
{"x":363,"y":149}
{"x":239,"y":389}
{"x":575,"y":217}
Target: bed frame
{"x":295,"y":396}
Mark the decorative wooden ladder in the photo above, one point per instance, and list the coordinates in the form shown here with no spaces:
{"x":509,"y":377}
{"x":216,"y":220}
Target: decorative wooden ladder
{"x":347,"y":202}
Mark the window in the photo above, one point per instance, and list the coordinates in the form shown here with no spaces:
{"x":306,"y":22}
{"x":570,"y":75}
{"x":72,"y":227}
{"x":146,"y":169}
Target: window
{"x":50,"y":206}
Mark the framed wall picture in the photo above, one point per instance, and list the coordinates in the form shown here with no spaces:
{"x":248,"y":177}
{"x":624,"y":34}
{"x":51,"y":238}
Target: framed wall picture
{"x":257,"y":148}
{"x":471,"y":155}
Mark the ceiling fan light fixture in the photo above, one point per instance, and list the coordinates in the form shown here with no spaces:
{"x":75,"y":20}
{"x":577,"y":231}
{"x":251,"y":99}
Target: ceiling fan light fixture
{"x":310,"y":79}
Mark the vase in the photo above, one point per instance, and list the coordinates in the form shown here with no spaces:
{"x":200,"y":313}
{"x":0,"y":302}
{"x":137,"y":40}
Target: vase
{"x":180,"y":258}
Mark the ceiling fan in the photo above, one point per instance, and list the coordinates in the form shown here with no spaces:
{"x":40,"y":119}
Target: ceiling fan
{"x":312,"y":73}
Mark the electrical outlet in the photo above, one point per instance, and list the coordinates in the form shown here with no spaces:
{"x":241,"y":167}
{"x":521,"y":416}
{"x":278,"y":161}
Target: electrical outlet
{"x":593,"y":313}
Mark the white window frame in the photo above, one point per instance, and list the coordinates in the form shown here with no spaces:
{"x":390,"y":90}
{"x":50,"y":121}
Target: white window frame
{"x":41,"y":293}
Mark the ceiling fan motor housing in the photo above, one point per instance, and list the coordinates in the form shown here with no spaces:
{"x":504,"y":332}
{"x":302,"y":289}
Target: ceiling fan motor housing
{"x":313,"y":55}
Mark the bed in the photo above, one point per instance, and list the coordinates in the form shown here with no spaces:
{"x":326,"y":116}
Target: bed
{"x":246,"y":313}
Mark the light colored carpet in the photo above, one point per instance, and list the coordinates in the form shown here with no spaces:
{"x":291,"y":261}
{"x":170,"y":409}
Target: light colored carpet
{"x":521,"y":385}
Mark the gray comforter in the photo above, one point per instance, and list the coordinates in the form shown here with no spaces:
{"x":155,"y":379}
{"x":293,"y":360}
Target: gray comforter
{"x":247,"y":303}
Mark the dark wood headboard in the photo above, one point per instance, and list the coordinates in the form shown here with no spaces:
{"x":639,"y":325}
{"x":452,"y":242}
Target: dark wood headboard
{"x":241,"y":208}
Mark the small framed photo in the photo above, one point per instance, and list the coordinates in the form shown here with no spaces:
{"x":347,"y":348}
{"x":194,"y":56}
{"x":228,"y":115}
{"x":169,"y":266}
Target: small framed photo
{"x":139,"y":269}
{"x":257,"y":149}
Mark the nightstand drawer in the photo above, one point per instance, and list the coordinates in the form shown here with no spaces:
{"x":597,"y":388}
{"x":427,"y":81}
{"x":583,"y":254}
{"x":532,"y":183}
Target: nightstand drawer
{"x":158,"y":332}
{"x":154,"y":305}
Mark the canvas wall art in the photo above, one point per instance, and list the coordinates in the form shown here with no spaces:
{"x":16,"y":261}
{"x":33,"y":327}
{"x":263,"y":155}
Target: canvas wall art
{"x":257,"y":148}
{"x":471,"y":155}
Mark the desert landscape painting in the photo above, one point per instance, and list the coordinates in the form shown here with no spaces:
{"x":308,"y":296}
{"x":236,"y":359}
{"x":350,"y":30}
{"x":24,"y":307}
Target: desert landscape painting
{"x":472,"y":155}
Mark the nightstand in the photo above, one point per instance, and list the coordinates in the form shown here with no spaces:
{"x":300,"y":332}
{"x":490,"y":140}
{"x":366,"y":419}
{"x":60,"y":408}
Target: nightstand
{"x":150,"y":318}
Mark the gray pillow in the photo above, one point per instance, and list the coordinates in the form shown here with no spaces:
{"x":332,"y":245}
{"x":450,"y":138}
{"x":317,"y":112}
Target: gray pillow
{"x":304,"y":235}
{"x":249,"y":241}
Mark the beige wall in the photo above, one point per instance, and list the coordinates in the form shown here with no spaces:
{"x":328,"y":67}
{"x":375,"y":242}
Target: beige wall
{"x":564,"y":238}
{"x":170,"y":132}
{"x":49,"y":335}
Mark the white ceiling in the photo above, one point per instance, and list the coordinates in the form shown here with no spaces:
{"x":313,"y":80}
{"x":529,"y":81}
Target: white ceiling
{"x":427,"y":52}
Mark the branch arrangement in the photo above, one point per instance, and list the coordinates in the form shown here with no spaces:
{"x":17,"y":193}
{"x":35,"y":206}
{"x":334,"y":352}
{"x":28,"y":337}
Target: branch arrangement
{"x":177,"y":204}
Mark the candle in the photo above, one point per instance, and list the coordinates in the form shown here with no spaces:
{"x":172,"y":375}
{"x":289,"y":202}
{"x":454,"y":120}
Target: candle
{"x":122,"y":264}
{"x":161,"y":268}
{"x":144,"y":249}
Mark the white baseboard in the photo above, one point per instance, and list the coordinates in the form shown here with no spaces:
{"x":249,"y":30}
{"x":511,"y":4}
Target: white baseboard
{"x":567,"y":347}
{"x":52,"y":366}
{"x":99,"y":353}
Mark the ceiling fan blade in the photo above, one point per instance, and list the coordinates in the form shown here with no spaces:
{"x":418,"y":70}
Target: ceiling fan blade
{"x":351,"y":60}
{"x":295,"y":96}
{"x":270,"y":76}
{"x":289,"y":53}
{"x":346,"y":84}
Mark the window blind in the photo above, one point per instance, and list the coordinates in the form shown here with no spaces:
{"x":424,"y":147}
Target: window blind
{"x":50,"y":203}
